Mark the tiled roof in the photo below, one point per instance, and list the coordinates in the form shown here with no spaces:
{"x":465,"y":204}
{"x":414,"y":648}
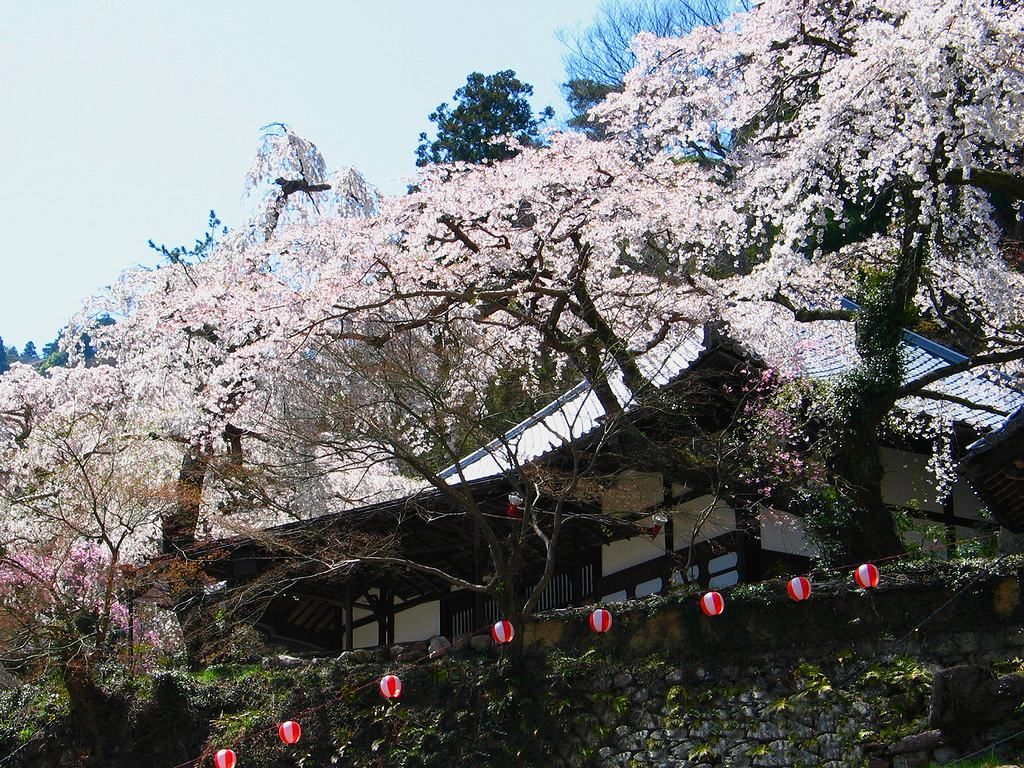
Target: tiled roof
{"x":1006,"y":429}
{"x":820,"y":350}
{"x":995,"y":467}
{"x":836,"y":354}
{"x":825,"y":350}
{"x":574,"y":415}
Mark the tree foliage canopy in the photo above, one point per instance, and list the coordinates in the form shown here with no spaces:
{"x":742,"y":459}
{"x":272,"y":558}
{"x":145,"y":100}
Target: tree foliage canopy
{"x":755,"y":173}
{"x":598,"y":57}
{"x":486,"y":108}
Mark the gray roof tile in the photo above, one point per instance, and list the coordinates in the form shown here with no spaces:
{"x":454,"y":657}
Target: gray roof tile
{"x":821,"y":350}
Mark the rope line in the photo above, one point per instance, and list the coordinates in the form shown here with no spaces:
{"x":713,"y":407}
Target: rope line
{"x":32,"y":738}
{"x":271,"y":730}
{"x":985,"y":749}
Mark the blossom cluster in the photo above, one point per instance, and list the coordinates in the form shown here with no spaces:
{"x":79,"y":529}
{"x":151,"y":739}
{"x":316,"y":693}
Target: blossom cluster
{"x":344,"y":347}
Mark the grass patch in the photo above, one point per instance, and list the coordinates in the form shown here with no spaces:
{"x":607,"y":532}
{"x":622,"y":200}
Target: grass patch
{"x":988,"y":760}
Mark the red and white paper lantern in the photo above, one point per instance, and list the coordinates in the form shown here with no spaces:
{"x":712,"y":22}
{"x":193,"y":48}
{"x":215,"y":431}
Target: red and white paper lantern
{"x":289,"y":731}
{"x":502,"y":632}
{"x":391,"y":686}
{"x":225,"y":758}
{"x":600,"y":620}
{"x":866,"y":576}
{"x":515,"y":506}
{"x":799,"y":588}
{"x":712,"y":603}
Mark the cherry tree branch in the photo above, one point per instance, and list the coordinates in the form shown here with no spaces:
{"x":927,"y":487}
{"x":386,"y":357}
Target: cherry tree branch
{"x":931,"y":394}
{"x":994,"y":358}
{"x":806,"y":315}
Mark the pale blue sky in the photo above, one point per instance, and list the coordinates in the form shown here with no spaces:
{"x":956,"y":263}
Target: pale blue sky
{"x":124,"y":121}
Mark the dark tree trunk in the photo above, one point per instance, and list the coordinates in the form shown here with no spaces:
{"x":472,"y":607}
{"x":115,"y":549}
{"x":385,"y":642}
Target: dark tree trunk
{"x":178,"y":532}
{"x":94,"y":715}
{"x":868,"y":531}
{"x":179,"y":526}
{"x":233,"y":437}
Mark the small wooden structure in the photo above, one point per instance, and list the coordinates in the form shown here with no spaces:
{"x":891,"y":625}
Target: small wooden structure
{"x":995,"y":467}
{"x":314,"y":588}
{"x":305,"y":602}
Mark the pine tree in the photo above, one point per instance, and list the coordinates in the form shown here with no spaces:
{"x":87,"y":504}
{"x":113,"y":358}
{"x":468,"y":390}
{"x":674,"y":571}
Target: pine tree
{"x":486,"y":107}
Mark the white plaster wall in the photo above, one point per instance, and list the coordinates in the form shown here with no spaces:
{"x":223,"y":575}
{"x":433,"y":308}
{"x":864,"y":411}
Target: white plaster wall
{"x":966,"y":502}
{"x":784,"y":532}
{"x":694,"y":522}
{"x":907,"y":481}
{"x":648,"y":588}
{"x":364,"y":637}
{"x":700,"y":520}
{"x":419,"y":623}
{"x":620,"y":555}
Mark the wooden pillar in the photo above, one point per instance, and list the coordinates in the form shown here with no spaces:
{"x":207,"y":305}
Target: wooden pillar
{"x":949,"y":518}
{"x":389,"y":615}
{"x":670,"y":548}
{"x":576,"y":594}
{"x":349,"y":618}
{"x":748,"y":546}
{"x":478,"y":597}
{"x":385,"y":610}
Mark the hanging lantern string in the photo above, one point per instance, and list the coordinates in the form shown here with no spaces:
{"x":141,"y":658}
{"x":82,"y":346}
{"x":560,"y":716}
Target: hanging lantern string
{"x":935,"y":547}
{"x":34,"y":737}
{"x":781,"y":580}
{"x":824,"y":571}
{"x":346,"y":693}
{"x":887,"y":559}
{"x":487,"y":627}
{"x":896,"y":642}
{"x":985,"y":572}
{"x":987,"y":748}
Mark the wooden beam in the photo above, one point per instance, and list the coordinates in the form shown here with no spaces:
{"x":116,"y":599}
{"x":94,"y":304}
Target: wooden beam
{"x":349,"y":617}
{"x":670,"y":548}
{"x":950,"y":521}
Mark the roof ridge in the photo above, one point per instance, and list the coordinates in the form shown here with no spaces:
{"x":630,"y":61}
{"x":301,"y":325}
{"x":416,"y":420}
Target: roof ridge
{"x":581,"y":388}
{"x":517,"y":430}
{"x":939,"y":350}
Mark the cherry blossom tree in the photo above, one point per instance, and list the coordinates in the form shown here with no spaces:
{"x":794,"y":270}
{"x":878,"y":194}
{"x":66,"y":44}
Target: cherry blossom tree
{"x":523,"y":276}
{"x":199,"y":339}
{"x":875,"y":148}
{"x":82,"y":489}
{"x":771,"y":164}
{"x":288,"y":182}
{"x":761,"y":169}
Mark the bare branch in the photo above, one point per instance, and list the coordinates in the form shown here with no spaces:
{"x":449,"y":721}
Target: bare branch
{"x":931,"y":394}
{"x":806,"y":315}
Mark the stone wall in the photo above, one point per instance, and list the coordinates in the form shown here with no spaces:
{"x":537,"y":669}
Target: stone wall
{"x":844,"y":679}
{"x":850,"y":711}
